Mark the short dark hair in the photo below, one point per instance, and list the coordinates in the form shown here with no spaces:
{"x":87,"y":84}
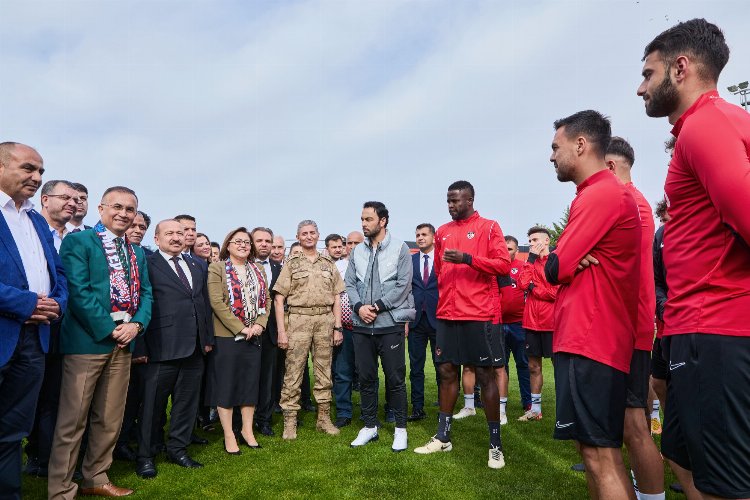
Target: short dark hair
{"x":669,"y":144}
{"x":80,"y":187}
{"x":379,"y":208}
{"x":333,"y":237}
{"x":698,"y":38}
{"x":461,"y":186}
{"x":594,"y":126}
{"x":426,"y":225}
{"x":264,"y":229}
{"x":293,"y":245}
{"x":182,"y":217}
{"x":660,"y":210}
{"x":538,"y":229}
{"x":224,"y":251}
{"x":215,"y":244}
{"x":120,"y":189}
{"x":509,"y":238}
{"x":146,"y":218}
{"x":620,"y":147}
{"x":50,"y":186}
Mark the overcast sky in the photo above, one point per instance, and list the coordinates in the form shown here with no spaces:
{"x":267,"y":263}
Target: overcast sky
{"x":255,"y":112}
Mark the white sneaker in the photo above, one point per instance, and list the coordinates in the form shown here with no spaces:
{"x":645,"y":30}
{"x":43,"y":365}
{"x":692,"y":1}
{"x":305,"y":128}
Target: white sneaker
{"x":366,"y":434}
{"x":503,"y":419}
{"x":497,"y":460}
{"x":465,"y":412}
{"x":434,"y":446}
{"x":399,"y":439}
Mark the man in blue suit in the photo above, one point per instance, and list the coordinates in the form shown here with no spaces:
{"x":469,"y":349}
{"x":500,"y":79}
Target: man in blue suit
{"x":422,"y":329}
{"x":33,"y":293}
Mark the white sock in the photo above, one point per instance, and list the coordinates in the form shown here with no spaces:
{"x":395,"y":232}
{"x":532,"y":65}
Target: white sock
{"x":652,"y":496}
{"x":469,"y":400}
{"x":655,"y":406}
{"x":536,"y":403}
{"x":503,"y":404}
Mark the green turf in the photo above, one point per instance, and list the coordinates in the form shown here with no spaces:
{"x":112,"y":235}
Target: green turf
{"x":325,"y":467}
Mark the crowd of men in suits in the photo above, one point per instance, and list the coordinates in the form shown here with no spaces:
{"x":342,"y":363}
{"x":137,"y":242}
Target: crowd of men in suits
{"x":87,"y":317}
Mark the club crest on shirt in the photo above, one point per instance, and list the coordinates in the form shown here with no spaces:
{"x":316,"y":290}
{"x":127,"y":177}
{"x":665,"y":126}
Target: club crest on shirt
{"x":470,"y":234}
{"x":513,"y":270}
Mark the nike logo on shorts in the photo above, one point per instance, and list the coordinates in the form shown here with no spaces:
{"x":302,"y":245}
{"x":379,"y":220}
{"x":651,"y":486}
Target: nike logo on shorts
{"x":558,"y":425}
{"x":498,"y":359}
{"x":484,"y":359}
{"x":395,"y":346}
{"x":674,"y":366}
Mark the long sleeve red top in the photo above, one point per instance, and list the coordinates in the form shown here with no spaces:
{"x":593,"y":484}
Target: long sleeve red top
{"x":539,"y":313}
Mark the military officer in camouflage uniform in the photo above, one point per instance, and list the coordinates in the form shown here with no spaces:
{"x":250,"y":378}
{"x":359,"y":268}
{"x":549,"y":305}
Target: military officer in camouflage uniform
{"x":310,"y":284}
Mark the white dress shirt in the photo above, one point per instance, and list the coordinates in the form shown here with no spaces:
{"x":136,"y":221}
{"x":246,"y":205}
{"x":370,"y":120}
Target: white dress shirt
{"x":183,"y":265}
{"x":28,"y":243}
{"x":69,"y":227}
{"x":430,"y":260}
{"x":56,"y":237}
{"x":267,"y":266}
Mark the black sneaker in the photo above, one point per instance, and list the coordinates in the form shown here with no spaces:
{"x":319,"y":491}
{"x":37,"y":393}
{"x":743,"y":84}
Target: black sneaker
{"x":342,"y":422}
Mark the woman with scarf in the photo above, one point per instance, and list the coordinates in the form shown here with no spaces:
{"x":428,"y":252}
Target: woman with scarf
{"x":239,"y":298}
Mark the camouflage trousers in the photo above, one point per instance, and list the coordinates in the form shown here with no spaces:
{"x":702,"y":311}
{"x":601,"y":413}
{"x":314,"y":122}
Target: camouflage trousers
{"x":305,"y":333}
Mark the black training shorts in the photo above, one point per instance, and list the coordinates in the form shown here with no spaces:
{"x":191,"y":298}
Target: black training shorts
{"x":473,"y":343}
{"x":590,"y":401}
{"x":659,"y":364}
{"x":637,"y":380}
{"x":706,"y":428}
{"x":538,"y":344}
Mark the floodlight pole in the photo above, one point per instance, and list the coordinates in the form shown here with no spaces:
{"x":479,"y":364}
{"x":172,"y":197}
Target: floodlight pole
{"x":741,"y":89}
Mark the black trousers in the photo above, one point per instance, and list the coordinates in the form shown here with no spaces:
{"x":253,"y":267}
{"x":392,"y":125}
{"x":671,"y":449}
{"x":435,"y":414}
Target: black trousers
{"x":391,"y":350}
{"x":20,"y":381}
{"x":268,"y":356}
{"x":39,"y":443}
{"x":128,"y":431}
{"x":182,"y":379}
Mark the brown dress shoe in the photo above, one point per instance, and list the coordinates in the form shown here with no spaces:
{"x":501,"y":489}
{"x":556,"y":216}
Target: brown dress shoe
{"x":106,"y":490}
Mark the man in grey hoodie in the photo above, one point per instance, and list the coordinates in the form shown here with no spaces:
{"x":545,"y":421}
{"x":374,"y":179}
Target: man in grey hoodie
{"x":378,"y":281}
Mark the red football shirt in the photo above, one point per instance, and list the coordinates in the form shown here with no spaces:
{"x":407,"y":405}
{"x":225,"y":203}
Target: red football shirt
{"x":644,"y":335}
{"x":512,"y":295}
{"x":596,"y":311}
{"x":706,"y":251}
{"x":467,"y":292}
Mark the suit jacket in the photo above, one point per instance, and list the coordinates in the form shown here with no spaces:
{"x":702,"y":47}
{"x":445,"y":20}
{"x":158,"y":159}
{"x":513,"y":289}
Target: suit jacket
{"x":271,"y":329}
{"x":425,"y":296}
{"x":87,"y":325}
{"x":17,"y":303}
{"x":226,"y":323}
{"x":180,"y":318}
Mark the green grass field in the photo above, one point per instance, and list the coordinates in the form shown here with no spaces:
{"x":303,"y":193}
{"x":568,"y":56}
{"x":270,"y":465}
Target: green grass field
{"x":321,"y":466}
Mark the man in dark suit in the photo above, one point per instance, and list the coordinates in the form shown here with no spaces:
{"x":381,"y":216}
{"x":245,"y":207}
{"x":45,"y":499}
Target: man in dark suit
{"x":179,"y":335}
{"x":263,"y":244}
{"x":110,"y":303}
{"x":33,"y":293}
{"x":422,"y":329}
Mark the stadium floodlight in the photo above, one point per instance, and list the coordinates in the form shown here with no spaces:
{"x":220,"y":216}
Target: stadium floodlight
{"x":742,"y":90}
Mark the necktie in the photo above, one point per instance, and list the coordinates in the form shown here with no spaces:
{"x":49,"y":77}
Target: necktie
{"x":123,"y":259}
{"x":181,"y":273}
{"x":76,"y":230}
{"x":426,"y":270}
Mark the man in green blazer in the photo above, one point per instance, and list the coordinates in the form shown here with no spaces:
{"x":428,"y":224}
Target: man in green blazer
{"x":109,"y":305}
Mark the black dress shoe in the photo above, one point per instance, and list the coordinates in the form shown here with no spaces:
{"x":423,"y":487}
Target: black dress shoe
{"x":145,"y":469}
{"x":390,"y":417}
{"x":417,"y":414}
{"x":185,"y":461}
{"x":123,"y":452}
{"x":32,"y":466}
{"x":309,"y":407}
{"x":195,"y":439}
{"x":342,"y":422}
{"x":266,"y":430}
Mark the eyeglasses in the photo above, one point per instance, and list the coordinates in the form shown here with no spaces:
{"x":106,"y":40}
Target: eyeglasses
{"x":240,"y":243}
{"x":66,"y":198}
{"x":119,"y":208}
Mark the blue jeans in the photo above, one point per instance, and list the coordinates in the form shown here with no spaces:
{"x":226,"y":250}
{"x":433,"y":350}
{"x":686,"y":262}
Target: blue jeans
{"x":419,"y":336}
{"x":343,"y":375}
{"x":515,"y":342}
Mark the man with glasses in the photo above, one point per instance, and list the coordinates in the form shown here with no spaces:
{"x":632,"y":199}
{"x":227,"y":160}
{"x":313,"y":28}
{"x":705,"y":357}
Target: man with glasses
{"x":75,"y":224}
{"x":111,"y":304}
{"x":59,"y":200}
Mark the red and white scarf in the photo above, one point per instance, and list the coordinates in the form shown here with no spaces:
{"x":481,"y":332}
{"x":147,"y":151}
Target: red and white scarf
{"x":247,"y":300}
{"x":124,"y":293}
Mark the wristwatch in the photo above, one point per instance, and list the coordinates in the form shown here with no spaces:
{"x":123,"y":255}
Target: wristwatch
{"x":138,"y":325}
{"x":339,"y":328}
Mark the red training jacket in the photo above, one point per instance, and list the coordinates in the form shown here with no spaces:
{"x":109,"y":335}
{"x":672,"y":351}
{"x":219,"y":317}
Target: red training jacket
{"x":644,"y":335}
{"x":512,"y":297}
{"x":539,"y":314}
